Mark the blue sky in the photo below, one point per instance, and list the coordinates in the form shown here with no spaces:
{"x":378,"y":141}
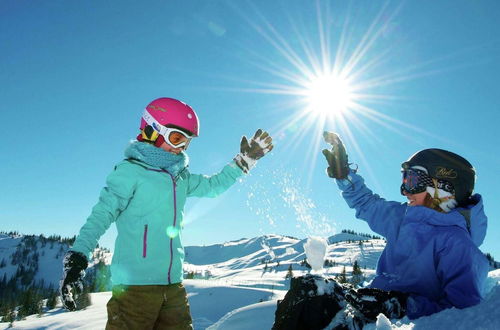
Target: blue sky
{"x":76,"y":76}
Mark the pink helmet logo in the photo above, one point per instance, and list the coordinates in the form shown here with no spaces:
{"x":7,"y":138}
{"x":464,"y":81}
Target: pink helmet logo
{"x":155,"y":107}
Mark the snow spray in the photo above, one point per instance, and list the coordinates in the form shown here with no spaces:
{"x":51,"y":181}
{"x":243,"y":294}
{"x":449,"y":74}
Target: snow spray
{"x":291,"y":202}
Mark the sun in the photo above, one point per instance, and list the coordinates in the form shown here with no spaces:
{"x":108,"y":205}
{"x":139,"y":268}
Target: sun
{"x":328,"y":95}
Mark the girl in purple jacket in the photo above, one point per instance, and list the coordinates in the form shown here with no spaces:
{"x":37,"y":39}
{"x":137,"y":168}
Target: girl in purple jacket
{"x":431,"y":261}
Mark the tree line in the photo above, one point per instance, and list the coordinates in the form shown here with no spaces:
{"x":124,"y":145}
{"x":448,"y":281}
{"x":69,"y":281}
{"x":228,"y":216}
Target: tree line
{"x":22,"y":294}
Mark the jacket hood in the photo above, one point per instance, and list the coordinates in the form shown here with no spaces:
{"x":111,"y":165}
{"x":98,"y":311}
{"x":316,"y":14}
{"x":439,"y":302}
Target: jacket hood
{"x":476,"y":225}
{"x":478,"y":219}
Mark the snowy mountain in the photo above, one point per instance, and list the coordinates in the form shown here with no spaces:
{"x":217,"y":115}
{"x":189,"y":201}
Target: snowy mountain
{"x":236,"y":286}
{"x":31,"y":268}
{"x":265,"y":261}
{"x":40,"y":257}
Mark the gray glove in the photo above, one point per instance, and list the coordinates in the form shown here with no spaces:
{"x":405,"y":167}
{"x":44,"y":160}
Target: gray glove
{"x":338,"y":166}
{"x":251,"y":151}
{"x":371,"y":302}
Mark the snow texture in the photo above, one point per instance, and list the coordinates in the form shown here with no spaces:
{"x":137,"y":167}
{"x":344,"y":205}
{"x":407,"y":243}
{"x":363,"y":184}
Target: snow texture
{"x":246,"y":295}
{"x":315,"y":249}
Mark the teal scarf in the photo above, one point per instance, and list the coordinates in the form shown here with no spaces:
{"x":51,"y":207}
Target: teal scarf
{"x":157,"y":157}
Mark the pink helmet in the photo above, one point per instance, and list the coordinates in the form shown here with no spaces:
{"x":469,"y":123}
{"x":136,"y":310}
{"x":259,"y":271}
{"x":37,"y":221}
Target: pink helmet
{"x":167,"y":111}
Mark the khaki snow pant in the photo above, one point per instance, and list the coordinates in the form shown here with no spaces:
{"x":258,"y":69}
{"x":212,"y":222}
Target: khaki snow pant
{"x":149,"y":307}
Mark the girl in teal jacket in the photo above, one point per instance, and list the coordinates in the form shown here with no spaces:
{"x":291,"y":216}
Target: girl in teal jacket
{"x":145,"y":196}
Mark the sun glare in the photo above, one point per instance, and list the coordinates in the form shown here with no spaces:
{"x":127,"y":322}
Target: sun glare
{"x":328,"y":95}
{"x":332,"y":78}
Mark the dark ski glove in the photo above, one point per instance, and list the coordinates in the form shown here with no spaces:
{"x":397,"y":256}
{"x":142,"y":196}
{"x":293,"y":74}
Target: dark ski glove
{"x":371,"y":302}
{"x":338,"y":166}
{"x":251,"y":151}
{"x":74,"y":265}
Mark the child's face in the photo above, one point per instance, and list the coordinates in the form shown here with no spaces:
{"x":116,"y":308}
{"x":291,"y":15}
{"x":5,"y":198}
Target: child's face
{"x":165,"y":146}
{"x":416,"y":199}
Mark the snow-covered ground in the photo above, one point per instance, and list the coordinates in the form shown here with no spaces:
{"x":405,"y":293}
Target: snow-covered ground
{"x":485,"y":316}
{"x":209,"y":303}
{"x":246,"y":277}
{"x":223,"y":307}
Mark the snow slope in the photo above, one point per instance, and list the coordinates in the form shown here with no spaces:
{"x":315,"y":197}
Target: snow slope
{"x":485,"y":316}
{"x":42,"y":254}
{"x":264,"y":261}
{"x":208,"y":304}
{"x":243,"y":311}
{"x":241,"y":291}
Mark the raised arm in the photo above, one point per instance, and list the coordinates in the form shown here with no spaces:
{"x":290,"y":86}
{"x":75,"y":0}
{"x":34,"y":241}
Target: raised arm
{"x":383,"y":217}
{"x":250,"y":151}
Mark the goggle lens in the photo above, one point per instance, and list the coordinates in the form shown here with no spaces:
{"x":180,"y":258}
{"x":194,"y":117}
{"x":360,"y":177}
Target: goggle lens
{"x":177,"y":138}
{"x":415,"y":181}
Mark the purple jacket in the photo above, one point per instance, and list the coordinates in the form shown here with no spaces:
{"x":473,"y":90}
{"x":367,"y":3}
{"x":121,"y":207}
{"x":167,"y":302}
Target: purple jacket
{"x":432,"y":256}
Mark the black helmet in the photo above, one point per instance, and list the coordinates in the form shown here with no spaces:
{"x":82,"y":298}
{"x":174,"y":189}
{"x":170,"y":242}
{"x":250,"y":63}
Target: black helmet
{"x":448,"y":166}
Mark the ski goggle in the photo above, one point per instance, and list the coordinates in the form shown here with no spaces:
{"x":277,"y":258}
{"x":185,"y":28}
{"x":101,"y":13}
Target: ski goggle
{"x":174,"y":137}
{"x":415,"y":181}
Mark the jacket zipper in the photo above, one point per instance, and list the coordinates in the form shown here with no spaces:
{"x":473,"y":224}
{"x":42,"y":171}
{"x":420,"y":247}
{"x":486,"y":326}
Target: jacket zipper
{"x":175,"y":221}
{"x":145,"y":241}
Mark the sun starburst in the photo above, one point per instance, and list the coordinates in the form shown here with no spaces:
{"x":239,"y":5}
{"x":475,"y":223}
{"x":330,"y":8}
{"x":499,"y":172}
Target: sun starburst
{"x":328,"y":95}
{"x":331,"y":78}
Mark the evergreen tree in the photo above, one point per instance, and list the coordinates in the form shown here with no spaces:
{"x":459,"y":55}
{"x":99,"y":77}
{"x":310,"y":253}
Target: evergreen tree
{"x":342,"y":277}
{"x":30,"y":303}
{"x":52,"y":300}
{"x":289,"y":274}
{"x":357,"y":274}
{"x":8,"y":316}
{"x":304,"y":263}
{"x":102,"y":280}
{"x":83,"y":299}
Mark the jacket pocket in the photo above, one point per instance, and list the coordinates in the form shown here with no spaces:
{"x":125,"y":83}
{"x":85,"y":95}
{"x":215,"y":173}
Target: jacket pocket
{"x":145,"y":242}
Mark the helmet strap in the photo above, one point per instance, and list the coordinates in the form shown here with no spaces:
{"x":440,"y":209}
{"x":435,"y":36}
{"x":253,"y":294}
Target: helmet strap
{"x":436,"y":200}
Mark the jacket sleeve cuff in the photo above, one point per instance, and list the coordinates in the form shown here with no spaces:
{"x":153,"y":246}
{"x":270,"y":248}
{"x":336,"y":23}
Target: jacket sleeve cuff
{"x":235,"y":166}
{"x":351,"y":180}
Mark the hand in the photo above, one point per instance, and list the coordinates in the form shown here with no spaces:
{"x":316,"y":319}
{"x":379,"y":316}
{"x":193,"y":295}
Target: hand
{"x":251,"y":151}
{"x":338,"y":166}
{"x":371,"y":302}
{"x":74,"y":265}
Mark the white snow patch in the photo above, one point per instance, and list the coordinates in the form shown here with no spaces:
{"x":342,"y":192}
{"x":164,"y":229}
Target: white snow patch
{"x":315,"y":249}
{"x":383,"y":323}
{"x":324,"y":287}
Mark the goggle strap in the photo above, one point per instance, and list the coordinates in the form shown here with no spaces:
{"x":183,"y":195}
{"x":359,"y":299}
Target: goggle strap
{"x":151,"y":121}
{"x":436,"y":193}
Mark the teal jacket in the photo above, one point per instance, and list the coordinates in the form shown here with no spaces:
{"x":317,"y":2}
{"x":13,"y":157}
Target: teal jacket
{"x":147,"y":205}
